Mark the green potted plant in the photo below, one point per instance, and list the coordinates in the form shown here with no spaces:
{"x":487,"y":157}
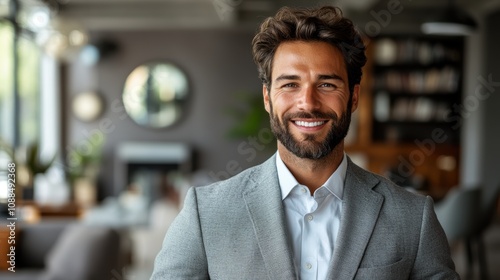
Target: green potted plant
{"x":35,"y":165}
{"x":28,"y":166}
{"x":82,"y":170}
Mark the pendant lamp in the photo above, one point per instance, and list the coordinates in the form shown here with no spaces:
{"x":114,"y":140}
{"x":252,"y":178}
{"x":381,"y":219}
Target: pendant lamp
{"x":453,"y":22}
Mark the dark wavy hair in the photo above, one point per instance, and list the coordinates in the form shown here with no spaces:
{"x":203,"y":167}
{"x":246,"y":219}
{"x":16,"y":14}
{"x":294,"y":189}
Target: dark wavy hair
{"x":325,"y":24}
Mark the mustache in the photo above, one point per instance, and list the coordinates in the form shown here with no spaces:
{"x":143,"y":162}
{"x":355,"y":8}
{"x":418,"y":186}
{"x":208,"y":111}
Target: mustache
{"x":310,"y":115}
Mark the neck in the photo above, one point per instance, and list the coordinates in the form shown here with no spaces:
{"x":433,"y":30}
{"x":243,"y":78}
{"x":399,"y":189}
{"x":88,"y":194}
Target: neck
{"x":312,"y":172}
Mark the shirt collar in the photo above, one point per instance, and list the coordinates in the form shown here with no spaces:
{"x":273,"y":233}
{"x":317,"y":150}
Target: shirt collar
{"x":335,"y":183}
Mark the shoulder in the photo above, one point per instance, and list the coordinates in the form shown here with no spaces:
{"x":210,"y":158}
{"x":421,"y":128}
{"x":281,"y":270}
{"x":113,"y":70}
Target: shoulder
{"x":399,"y":208}
{"x":392,"y":193}
{"x":241,"y":182}
{"x":391,"y":189}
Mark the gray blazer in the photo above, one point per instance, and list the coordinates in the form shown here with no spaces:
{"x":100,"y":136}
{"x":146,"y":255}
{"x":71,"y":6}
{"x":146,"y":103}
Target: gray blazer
{"x":235,"y":229}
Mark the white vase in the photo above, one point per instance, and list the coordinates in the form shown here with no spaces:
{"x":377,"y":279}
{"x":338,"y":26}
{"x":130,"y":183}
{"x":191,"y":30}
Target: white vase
{"x":85,"y":193}
{"x":50,"y":191}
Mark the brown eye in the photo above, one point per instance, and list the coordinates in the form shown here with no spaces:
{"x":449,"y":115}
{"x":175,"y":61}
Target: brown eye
{"x":327,"y":85}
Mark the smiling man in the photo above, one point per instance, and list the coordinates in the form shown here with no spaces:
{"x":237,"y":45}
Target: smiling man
{"x":308,"y":212}
{"x":310,"y":107}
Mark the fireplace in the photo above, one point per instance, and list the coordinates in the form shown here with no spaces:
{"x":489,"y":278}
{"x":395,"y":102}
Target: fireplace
{"x":145,"y":165}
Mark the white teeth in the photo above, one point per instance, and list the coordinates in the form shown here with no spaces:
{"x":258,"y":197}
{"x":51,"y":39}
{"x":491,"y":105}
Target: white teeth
{"x":309,"y":124}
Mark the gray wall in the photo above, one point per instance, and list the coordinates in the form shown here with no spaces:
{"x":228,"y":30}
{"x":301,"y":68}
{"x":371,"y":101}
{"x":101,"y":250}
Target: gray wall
{"x":491,"y":140}
{"x":218,"y":64}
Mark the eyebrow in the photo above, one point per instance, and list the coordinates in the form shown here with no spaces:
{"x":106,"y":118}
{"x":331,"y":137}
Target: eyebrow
{"x":330,"y":77}
{"x":287,"y":77}
{"x":320,"y":77}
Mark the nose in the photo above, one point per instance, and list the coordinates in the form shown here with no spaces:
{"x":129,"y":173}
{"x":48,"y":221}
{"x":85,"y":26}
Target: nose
{"x":308,"y":100}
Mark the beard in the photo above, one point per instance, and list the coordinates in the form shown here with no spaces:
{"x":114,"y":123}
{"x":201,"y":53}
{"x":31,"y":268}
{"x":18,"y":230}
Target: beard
{"x":310,"y":147}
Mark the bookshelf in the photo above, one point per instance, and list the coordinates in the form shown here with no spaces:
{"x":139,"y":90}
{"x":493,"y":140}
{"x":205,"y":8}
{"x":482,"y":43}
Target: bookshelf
{"x":405,"y":126}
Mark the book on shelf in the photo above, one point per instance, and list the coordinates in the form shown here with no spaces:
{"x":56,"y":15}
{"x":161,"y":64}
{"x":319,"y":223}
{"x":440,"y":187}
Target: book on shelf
{"x":390,"y":51}
{"x":419,"y":109}
{"x":431,"y":81}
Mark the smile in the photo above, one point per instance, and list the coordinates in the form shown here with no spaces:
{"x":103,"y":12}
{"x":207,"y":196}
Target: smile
{"x":309,"y":124}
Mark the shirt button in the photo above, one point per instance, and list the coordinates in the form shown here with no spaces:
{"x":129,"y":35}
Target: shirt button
{"x":303,"y":190}
{"x":308,"y":266}
{"x":309,"y":217}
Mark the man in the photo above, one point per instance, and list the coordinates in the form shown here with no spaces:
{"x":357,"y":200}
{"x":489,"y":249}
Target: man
{"x":308,"y":212}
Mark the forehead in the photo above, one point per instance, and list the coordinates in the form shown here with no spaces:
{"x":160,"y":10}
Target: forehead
{"x":309,"y":57}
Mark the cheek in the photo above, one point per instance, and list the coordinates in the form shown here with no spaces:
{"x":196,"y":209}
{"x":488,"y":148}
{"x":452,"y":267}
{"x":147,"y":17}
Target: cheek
{"x":280,"y":107}
{"x":339,"y":108}
{"x":281,"y":104}
{"x":335,"y":103}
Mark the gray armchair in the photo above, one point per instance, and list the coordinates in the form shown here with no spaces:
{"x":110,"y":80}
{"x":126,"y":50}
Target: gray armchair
{"x":66,"y":251}
{"x":459,"y":214}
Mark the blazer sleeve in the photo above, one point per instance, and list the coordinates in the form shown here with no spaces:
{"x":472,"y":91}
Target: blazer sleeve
{"x":182,"y":255}
{"x":433,"y":260}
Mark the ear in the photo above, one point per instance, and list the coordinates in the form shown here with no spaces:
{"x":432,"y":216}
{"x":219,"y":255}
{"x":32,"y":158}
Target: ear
{"x":355,"y":98}
{"x":265,"y":94}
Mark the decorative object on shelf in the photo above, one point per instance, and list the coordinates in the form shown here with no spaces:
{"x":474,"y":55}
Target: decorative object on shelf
{"x":84,"y":192}
{"x":386,"y":51}
{"x":88,"y":106}
{"x":155,"y":94}
{"x":51,"y":188}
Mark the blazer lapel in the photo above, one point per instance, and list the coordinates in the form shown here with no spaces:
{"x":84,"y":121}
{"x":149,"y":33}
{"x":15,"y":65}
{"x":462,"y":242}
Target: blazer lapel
{"x":360,"y":210}
{"x":263,"y":201}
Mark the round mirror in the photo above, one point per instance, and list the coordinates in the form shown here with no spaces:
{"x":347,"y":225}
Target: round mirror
{"x":155,"y":93}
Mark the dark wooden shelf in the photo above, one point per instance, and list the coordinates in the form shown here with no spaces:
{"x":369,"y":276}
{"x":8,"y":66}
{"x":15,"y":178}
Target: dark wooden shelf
{"x":407,"y":145}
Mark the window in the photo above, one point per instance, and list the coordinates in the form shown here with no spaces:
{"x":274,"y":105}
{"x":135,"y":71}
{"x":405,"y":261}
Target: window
{"x":23,"y":120}
{"x":28,"y":88}
{"x":29,"y":92}
{"x":6,"y":101}
{"x":6,"y":80}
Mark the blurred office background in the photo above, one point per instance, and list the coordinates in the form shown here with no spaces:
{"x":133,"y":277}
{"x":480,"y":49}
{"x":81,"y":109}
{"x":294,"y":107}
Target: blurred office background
{"x":111,"y":109}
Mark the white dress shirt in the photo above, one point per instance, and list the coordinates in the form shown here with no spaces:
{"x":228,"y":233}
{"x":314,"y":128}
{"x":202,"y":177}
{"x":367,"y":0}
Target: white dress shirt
{"x":313,"y":221}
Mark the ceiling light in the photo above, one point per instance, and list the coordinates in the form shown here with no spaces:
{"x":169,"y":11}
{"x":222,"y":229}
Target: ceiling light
{"x":454,"y":22}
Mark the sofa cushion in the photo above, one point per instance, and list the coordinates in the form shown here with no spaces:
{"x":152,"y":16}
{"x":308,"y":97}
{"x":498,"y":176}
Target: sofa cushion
{"x":35,"y":242}
{"x":84,"y":252}
{"x":21,"y":274}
